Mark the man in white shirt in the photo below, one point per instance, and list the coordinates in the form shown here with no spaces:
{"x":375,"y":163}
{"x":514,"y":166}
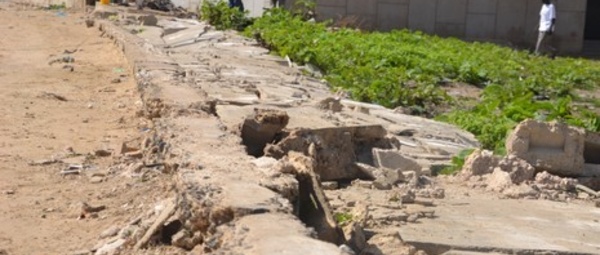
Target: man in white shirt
{"x":547,"y":21}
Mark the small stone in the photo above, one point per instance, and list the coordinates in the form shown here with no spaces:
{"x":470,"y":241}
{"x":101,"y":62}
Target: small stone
{"x":583,"y":196}
{"x":329,"y":185}
{"x":382,"y":184}
{"x":115,"y":80}
{"x":80,"y":252}
{"x":562,"y":197}
{"x":90,"y":106}
{"x":597,"y":203}
{"x":102,"y":153}
{"x":135,"y":154}
{"x":110,"y":232}
{"x":110,"y":248}
{"x":362,"y":184}
{"x":96,"y":179}
{"x":412,"y":218}
{"x":9,"y":192}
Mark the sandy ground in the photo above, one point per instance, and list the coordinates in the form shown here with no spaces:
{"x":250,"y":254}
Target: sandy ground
{"x":39,"y":207}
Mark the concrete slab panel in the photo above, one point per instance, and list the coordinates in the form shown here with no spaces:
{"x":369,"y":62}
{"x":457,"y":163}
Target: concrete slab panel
{"x":515,"y":225}
{"x":394,"y":1}
{"x":482,"y":6}
{"x":571,"y":5}
{"x":421,"y":15}
{"x":338,"y":3}
{"x":449,"y":29}
{"x":569,"y":31}
{"x":330,"y":12}
{"x":510,"y":20}
{"x":481,"y":26}
{"x":362,"y":7}
{"x":451,"y":11}
{"x":392,"y":16}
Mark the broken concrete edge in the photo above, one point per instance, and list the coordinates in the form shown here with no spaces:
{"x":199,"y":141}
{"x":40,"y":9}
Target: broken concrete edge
{"x":141,"y":64}
{"x":437,"y":248}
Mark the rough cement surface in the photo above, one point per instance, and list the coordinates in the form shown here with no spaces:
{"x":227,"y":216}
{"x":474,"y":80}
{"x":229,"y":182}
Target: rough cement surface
{"x":553,"y":147}
{"x":203,"y":89}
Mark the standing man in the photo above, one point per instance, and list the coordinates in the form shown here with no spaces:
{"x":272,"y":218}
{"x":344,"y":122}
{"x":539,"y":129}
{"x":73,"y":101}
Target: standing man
{"x":547,"y":21}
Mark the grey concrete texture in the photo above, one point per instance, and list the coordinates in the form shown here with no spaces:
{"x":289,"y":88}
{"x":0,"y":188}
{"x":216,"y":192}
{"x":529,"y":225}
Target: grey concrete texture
{"x":513,"y":228}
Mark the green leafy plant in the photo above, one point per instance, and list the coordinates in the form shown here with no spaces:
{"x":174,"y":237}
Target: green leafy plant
{"x":219,"y":14}
{"x":458,"y":162}
{"x":342,"y":218}
{"x":407,"y":68}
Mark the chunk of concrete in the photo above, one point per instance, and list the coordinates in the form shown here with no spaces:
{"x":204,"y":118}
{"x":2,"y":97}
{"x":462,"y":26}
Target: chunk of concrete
{"x":335,"y":149}
{"x":148,"y":20}
{"x":393,"y":159}
{"x":553,"y":147}
{"x":519,"y":170}
{"x":261,"y":128}
{"x":499,"y":180}
{"x":480,"y":162}
{"x":111,"y":248}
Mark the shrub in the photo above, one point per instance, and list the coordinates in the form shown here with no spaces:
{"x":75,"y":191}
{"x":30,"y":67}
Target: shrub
{"x":219,"y":14}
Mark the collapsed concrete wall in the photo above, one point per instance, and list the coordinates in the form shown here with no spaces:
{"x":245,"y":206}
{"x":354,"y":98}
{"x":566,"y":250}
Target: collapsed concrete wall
{"x":556,"y":148}
{"x":250,"y":139}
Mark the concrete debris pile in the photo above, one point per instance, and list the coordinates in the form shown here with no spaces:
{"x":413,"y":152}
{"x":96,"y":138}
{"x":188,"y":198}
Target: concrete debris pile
{"x":544,"y":161}
{"x":250,"y":141}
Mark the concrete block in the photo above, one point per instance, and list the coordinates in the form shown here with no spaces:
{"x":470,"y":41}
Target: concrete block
{"x":392,"y":159}
{"x":392,"y":16}
{"x":480,"y":26}
{"x":570,"y":5}
{"x":510,"y":20}
{"x":330,"y":12}
{"x":336,"y":3}
{"x":553,"y":147}
{"x":451,"y":11}
{"x":421,"y":15}
{"x":450,"y":29}
{"x":482,"y":6}
{"x":362,"y":7}
{"x":569,"y":31}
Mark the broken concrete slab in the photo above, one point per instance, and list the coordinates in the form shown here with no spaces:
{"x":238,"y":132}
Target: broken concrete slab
{"x":192,"y":35}
{"x":288,"y":237}
{"x":553,"y":147}
{"x":393,"y":159}
{"x":261,"y":128}
{"x":539,"y":222}
{"x":335,"y":149}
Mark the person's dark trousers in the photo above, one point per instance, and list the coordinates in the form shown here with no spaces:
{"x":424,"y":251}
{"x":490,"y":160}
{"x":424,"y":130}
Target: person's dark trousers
{"x":236,"y":3}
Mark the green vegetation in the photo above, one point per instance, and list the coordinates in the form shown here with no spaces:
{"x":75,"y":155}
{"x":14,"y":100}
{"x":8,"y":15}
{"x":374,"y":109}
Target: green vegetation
{"x":219,"y":14}
{"x":342,"y":218}
{"x":404,"y":68}
{"x":457,"y":163}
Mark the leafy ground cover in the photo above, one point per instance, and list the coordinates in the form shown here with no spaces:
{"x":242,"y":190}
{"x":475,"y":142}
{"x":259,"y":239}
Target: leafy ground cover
{"x":409,"y":69}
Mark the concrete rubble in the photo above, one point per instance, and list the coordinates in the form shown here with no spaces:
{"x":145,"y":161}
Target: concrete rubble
{"x":230,"y":113}
{"x":249,"y":141}
{"x":544,"y":161}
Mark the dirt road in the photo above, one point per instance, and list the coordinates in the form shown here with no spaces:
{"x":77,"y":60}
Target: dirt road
{"x":49,"y":110}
